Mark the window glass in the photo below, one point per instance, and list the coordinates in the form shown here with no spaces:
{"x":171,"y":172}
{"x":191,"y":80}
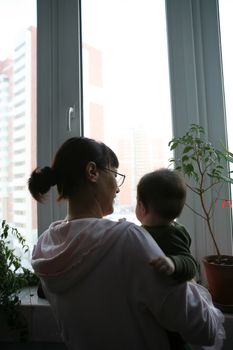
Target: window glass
{"x":18,"y":114}
{"x":126,"y":92}
{"x":226,"y":29}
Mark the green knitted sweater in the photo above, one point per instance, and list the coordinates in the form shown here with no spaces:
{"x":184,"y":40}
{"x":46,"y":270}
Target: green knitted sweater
{"x":175,"y":242}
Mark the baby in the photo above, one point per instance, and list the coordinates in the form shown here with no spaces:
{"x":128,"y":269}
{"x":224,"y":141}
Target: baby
{"x":161,"y":196}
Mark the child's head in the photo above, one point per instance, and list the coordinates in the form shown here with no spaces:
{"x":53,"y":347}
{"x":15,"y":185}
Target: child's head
{"x":161,"y":196}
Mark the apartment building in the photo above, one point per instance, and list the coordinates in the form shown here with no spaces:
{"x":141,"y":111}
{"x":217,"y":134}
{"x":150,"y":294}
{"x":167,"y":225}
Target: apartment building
{"x":18,"y":134}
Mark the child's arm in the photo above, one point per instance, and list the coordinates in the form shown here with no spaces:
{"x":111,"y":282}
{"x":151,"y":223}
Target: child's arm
{"x":163,"y":264}
{"x":186,"y":267}
{"x":179,"y":261}
{"x":182,"y":267}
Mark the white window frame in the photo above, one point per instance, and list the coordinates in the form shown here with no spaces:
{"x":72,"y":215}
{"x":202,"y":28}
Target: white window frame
{"x":196,"y":91}
{"x":58,"y":87}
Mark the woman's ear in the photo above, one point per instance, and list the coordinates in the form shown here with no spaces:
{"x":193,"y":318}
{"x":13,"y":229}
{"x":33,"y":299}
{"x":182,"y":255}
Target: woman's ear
{"x":92,"y":172}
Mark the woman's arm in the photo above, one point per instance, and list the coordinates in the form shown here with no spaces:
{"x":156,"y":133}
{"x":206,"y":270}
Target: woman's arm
{"x":193,"y":315}
{"x":185,"y":308}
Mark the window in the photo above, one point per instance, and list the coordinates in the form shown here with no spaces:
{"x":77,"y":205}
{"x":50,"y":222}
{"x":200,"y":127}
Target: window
{"x":18,"y":114}
{"x":195,"y":81}
{"x":226,"y":27}
{"x":126,"y":89}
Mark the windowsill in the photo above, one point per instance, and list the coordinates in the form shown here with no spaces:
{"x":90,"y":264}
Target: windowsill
{"x":41,"y":322}
{"x":43,"y":327}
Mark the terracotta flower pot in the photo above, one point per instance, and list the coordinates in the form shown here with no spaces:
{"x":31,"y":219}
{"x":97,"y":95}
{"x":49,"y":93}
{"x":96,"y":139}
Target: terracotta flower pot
{"x":220,"y":278}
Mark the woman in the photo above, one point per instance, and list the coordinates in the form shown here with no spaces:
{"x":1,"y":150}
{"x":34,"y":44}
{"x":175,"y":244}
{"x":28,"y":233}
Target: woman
{"x":96,"y":273}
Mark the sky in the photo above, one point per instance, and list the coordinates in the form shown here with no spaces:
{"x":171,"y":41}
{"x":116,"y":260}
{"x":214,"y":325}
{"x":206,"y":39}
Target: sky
{"x":14,"y":16}
{"x":129,"y":53}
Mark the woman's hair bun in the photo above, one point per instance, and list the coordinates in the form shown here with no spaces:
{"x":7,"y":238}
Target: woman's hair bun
{"x":40,"y":182}
{"x":50,"y":174}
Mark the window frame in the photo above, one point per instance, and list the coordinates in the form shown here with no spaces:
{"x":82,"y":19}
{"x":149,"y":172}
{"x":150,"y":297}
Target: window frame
{"x":197,"y":93}
{"x":59,"y":79}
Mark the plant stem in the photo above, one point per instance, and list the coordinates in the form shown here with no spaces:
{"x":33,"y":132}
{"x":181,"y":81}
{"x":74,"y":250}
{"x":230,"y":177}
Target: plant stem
{"x":209,"y":224}
{"x":207,"y":214}
{"x":194,"y":211}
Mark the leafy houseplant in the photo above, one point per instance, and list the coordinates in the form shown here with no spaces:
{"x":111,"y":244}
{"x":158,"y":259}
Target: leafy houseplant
{"x":13,"y":277}
{"x":204,"y":168}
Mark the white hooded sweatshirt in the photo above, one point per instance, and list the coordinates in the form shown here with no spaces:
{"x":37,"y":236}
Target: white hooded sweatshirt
{"x":105,"y":295}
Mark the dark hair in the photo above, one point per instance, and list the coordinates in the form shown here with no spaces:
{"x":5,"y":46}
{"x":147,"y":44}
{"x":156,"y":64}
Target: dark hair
{"x":164,"y":192}
{"x":68,"y":169}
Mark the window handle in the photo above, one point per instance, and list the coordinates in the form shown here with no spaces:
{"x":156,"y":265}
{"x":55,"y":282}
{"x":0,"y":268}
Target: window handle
{"x":71,"y":115}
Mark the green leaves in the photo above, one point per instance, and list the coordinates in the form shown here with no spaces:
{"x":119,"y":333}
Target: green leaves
{"x":204,"y":168}
{"x":226,"y":179}
{"x":187,"y":149}
{"x":172,"y":145}
{"x":198,"y":157}
{"x":13,"y":276}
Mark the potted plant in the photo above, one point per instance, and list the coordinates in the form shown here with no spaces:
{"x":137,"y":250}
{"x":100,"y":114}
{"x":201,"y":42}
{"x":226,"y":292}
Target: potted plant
{"x":204,"y":168}
{"x":13,"y":277}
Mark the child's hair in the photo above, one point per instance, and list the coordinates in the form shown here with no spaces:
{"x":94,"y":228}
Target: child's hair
{"x":68,"y":169}
{"x":162,"y":191}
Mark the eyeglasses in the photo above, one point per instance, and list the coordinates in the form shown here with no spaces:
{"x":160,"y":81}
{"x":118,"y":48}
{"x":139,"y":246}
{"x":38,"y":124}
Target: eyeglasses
{"x":120,"y":178}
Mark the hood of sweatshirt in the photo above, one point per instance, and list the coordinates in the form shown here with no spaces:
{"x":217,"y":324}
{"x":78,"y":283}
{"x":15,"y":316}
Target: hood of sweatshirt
{"x":68,"y":251}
